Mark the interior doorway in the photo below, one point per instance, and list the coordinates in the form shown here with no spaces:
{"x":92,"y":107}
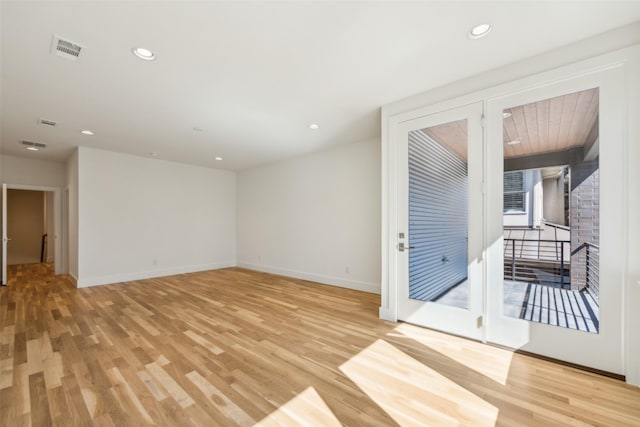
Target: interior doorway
{"x":30,"y":227}
{"x":46,"y":208}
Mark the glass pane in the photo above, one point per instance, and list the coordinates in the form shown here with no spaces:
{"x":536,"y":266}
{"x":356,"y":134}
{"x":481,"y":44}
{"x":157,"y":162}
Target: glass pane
{"x":438,"y":211}
{"x":551,"y":211}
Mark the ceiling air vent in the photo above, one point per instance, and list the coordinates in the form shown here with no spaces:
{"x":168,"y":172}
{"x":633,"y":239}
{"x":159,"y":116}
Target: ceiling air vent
{"x":45,"y":122}
{"x":65,"y":48}
{"x":33,"y":144}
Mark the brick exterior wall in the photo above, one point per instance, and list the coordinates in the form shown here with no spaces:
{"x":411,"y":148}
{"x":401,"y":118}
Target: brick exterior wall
{"x":585,"y":223}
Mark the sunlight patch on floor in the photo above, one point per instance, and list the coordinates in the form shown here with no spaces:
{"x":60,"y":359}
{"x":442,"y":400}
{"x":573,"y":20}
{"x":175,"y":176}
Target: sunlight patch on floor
{"x":307,"y":408}
{"x":491,"y":362}
{"x":412,"y":393}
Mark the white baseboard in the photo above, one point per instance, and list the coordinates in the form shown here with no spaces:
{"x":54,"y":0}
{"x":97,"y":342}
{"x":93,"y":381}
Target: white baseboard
{"x":373,"y":288}
{"x":141,"y":275}
{"x":74,"y":279}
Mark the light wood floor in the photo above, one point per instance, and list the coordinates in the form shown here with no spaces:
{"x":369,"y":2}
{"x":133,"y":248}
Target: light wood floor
{"x":235,"y":347}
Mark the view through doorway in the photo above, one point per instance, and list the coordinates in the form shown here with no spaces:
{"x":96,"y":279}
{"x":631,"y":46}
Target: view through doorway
{"x":551,"y":205}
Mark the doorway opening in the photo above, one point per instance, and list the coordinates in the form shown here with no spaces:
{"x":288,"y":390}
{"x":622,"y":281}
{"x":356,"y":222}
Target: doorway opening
{"x":30,"y":227}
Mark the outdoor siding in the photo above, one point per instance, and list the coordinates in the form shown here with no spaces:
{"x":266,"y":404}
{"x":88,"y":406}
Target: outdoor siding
{"x":585,"y":223}
{"x":438,"y":229}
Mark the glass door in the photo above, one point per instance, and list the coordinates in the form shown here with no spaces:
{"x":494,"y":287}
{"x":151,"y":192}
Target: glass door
{"x":555,"y":283}
{"x":439,"y":241}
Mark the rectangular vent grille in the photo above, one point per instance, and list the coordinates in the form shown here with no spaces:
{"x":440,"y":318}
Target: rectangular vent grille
{"x":33,"y":144}
{"x":46,"y":122}
{"x":65,"y":48}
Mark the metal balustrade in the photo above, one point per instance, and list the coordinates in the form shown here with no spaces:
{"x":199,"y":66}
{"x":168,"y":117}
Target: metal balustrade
{"x":548,"y":262}
{"x":538,"y":261}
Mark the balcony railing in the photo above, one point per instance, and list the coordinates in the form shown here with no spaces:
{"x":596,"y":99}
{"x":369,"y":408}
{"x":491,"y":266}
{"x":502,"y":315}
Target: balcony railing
{"x":589,"y":255}
{"x":538,"y":261}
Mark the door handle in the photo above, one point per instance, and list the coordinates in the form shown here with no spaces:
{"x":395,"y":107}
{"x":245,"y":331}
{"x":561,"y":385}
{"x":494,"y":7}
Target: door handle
{"x":402,"y":247}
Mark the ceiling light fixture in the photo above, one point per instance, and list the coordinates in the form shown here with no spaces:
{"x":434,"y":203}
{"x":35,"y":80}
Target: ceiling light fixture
{"x":218,"y":158}
{"x":143,"y":53}
{"x":479,"y":31}
{"x":514,"y":142}
{"x":33,"y":149}
{"x":506,"y":115}
{"x":314,"y":126}
{"x":87,"y":132}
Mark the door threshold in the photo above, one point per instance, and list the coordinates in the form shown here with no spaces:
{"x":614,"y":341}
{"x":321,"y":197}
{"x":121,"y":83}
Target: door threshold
{"x":534,"y":355}
{"x":561,"y":362}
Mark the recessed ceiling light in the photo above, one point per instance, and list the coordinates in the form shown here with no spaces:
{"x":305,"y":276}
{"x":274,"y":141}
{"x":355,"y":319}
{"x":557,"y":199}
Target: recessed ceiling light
{"x":218,"y":158}
{"x":314,"y":126}
{"x":506,"y":115}
{"x":153,"y":154}
{"x":33,"y":149}
{"x":87,"y":132}
{"x":479,"y":31}
{"x":514,"y":142}
{"x":143,"y":53}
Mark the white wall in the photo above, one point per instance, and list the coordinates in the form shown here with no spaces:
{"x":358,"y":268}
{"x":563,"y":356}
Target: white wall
{"x":29,"y":171}
{"x":632,"y":315}
{"x":70,"y":204}
{"x":142,"y":217}
{"x":315,"y":217}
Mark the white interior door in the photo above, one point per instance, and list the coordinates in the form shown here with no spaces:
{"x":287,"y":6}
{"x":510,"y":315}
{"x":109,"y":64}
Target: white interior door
{"x":4,"y":234}
{"x":439,"y":243}
{"x":555,"y":229}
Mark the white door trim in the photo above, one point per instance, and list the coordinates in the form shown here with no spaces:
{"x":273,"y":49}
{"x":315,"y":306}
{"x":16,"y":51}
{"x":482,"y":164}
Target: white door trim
{"x":57,"y":225}
{"x":4,"y":234}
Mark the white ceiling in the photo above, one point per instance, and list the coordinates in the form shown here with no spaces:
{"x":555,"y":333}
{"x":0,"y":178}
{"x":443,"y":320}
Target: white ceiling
{"x":253,"y":76}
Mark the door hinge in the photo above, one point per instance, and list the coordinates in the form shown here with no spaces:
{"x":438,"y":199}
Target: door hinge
{"x":480,"y":321}
{"x":483,"y":121}
{"x":483,"y":187}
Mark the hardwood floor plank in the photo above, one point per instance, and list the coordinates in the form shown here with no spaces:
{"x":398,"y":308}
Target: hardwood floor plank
{"x":170,"y":384}
{"x":237,"y":347}
{"x":40,"y":414}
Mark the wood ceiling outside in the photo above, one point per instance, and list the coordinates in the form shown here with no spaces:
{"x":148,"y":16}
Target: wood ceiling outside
{"x":554,"y":124}
{"x":453,"y":136}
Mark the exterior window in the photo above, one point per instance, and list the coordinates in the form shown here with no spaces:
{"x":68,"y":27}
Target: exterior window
{"x":514,"y":194}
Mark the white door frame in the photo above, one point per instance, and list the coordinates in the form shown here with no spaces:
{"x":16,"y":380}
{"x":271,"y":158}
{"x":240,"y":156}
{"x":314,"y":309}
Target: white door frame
{"x":627,"y":59}
{"x":57,"y":223}
{"x":4,"y":234}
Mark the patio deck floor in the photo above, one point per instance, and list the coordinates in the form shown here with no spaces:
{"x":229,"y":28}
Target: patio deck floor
{"x":539,"y":303}
{"x":551,"y":305}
